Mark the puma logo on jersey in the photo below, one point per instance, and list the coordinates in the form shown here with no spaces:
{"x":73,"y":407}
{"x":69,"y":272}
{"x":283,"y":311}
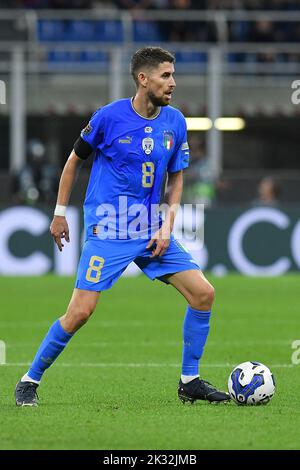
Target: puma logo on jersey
{"x":126,"y":140}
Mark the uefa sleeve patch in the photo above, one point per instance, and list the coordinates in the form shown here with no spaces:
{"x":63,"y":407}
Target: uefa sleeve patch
{"x":87,"y":130}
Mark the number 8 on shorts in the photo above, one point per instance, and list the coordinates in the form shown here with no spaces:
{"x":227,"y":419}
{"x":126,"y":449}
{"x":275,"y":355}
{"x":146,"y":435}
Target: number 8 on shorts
{"x":94,"y":272}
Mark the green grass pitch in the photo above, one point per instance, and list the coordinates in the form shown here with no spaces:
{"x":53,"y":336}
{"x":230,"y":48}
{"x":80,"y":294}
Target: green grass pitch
{"x":115,"y":386}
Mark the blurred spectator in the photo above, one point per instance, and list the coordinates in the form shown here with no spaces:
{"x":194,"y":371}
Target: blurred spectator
{"x":196,"y":31}
{"x":262,"y":31}
{"x":37,"y":181}
{"x":199,"y":184}
{"x":268,"y":192}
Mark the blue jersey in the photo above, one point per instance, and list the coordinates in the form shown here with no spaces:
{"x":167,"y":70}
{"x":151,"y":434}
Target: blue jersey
{"x":132,"y":155}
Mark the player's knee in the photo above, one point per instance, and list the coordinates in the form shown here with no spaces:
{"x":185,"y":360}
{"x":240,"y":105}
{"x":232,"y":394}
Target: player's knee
{"x":81,"y":317}
{"x":203,"y":299}
{"x":80,"y":314}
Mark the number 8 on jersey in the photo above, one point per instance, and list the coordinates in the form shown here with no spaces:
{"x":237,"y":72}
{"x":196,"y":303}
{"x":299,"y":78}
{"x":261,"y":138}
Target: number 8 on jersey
{"x":148,"y":174}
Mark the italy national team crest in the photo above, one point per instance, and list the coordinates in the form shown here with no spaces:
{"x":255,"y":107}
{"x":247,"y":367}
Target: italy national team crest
{"x":148,"y":145}
{"x":168,"y":139}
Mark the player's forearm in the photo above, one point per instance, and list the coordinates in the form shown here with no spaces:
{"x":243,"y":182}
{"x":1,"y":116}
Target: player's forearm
{"x":68,"y":178}
{"x":173,"y":197}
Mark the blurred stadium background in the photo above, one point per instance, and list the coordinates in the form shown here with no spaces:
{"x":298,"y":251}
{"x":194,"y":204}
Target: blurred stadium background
{"x":60,"y":60}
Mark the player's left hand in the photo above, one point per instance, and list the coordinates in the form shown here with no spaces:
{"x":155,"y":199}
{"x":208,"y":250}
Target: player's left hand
{"x":161,"y":239}
{"x":59,"y":229}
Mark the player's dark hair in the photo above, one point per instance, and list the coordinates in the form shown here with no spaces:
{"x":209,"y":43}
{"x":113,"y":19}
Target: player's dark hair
{"x":149,"y":57}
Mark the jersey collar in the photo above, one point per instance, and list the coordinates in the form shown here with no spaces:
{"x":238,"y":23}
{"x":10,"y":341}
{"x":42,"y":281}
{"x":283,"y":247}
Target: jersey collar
{"x":143,"y":117}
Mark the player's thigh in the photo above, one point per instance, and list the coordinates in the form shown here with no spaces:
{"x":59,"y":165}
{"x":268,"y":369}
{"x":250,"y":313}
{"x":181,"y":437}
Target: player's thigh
{"x":193,"y":285}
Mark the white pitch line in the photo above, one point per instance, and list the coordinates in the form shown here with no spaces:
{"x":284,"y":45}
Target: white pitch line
{"x":137,"y":365}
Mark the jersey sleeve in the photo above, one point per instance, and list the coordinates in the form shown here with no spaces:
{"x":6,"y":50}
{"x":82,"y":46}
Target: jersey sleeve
{"x":93,"y":132}
{"x":180,"y":158}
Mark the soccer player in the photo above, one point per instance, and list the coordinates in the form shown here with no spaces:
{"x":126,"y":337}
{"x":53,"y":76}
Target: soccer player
{"x":136,"y":142}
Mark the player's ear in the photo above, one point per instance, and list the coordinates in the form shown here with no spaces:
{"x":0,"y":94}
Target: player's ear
{"x":142,"y":79}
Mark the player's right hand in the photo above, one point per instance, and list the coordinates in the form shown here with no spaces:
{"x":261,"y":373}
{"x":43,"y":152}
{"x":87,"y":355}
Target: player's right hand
{"x":59,"y":229}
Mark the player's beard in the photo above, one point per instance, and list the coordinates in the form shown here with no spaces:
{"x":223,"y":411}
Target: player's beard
{"x":156,"y":100}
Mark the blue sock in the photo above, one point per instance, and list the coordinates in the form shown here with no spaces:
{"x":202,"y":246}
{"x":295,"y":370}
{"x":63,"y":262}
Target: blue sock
{"x":53,"y":344}
{"x":195,"y":332}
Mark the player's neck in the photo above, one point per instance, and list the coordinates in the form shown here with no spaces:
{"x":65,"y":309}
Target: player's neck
{"x":143,"y":106}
